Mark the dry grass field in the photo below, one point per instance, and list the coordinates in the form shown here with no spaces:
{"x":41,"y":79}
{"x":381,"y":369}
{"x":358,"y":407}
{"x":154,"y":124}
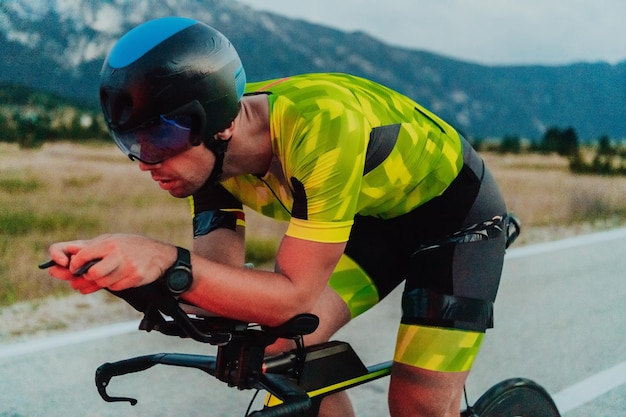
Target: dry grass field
{"x":552,"y":202}
{"x":64,"y":191}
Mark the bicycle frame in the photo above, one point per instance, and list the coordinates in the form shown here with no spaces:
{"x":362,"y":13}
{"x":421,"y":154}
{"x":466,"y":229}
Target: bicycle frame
{"x":296,"y":378}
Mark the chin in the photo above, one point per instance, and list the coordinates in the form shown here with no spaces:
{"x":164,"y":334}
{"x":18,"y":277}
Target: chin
{"x":179,"y":194}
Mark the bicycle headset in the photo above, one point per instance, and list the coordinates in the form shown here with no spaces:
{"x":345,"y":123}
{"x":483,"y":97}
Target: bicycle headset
{"x":170,"y":84}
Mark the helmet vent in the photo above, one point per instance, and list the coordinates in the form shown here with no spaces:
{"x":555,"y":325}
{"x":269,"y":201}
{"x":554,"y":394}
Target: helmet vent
{"x":123,"y":109}
{"x":117,"y":109}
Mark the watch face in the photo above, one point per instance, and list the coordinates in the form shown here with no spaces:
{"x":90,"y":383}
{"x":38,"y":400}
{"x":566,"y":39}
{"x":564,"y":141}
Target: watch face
{"x":179,"y":280}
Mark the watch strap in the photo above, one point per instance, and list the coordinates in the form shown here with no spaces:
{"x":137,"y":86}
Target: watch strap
{"x":183,"y":257}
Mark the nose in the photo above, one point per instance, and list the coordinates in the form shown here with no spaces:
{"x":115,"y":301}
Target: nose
{"x":143,"y":166}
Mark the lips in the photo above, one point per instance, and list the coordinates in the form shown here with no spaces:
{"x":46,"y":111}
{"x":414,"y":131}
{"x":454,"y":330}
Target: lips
{"x":164,"y":183}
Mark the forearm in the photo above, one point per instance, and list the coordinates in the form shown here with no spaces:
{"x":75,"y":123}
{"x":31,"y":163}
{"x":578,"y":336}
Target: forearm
{"x":302,"y":272}
{"x":246,"y":294}
{"x":223,"y":286}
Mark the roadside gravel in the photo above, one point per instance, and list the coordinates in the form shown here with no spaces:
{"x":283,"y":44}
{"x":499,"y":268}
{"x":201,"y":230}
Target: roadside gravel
{"x":54,"y":315}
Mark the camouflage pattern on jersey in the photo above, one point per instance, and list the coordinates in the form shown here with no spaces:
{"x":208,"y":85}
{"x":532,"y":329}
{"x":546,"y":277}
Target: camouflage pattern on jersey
{"x":320,"y":131}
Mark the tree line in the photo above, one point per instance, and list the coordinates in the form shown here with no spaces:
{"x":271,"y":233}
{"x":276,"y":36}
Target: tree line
{"x":604,"y":156}
{"x":30,"y":118}
{"x":31,"y":129}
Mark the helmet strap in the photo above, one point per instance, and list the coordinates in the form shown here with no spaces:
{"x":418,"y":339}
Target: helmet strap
{"x":218,"y":147}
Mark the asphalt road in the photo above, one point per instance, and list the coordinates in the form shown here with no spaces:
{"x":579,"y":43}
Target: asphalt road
{"x":559,"y":321}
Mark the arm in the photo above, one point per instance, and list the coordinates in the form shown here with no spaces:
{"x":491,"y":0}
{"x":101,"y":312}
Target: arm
{"x":222,"y":286}
{"x":301,"y":274}
{"x":222,"y":245}
{"x":302,"y":271}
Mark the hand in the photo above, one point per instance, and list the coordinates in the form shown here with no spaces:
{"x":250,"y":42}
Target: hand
{"x":125,"y":261}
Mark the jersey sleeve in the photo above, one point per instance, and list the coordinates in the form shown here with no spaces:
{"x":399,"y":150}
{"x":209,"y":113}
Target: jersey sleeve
{"x":324,"y":164}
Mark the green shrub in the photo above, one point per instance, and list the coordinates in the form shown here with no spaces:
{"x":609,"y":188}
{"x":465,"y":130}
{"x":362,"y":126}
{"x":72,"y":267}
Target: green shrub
{"x":260,"y":252}
{"x":83,"y":181}
{"x":18,"y":186}
{"x":22,"y":222}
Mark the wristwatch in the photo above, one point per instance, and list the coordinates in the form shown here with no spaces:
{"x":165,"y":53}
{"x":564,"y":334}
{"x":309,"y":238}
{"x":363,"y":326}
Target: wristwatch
{"x":178,"y":277}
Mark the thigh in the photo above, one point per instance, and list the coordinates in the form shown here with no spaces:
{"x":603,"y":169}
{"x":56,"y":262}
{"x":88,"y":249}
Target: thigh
{"x":454,"y":285}
{"x":374,"y":245}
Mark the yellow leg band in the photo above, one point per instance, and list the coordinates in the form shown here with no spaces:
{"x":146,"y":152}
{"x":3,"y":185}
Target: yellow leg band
{"x":354,"y":286}
{"x":436,"y":348}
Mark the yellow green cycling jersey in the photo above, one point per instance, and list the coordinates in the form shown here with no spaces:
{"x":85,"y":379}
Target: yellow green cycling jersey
{"x":346,"y":146}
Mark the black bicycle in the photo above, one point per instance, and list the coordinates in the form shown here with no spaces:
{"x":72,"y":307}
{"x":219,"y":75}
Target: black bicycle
{"x":296,"y":381}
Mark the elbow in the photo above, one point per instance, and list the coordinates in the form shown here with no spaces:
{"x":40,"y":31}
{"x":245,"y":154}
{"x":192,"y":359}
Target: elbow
{"x":300,"y":304}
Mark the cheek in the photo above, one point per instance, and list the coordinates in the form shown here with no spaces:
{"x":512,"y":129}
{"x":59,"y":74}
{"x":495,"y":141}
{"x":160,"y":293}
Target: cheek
{"x":199,"y":166}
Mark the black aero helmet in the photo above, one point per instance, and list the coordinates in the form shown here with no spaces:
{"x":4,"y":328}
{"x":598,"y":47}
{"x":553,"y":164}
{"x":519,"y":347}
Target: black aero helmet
{"x":168,"y":84}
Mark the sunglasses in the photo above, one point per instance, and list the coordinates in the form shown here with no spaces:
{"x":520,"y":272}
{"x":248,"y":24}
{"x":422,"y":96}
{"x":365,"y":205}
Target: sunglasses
{"x":157,"y":140}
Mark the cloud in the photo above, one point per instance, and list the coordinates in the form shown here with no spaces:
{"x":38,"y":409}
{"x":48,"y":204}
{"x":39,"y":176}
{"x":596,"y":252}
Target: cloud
{"x":107,"y":19}
{"x":486,"y":31}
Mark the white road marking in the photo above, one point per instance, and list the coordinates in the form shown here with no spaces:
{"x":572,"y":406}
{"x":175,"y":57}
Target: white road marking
{"x":590,"y":388}
{"x":66,"y":339}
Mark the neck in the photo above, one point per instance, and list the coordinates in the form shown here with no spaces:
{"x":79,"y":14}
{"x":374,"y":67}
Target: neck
{"x":250,"y":150}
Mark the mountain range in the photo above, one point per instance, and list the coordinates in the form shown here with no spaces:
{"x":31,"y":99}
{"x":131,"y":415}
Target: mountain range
{"x":59,"y":46}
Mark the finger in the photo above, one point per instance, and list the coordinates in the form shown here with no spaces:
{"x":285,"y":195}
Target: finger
{"x":76,"y":246}
{"x":62,"y":252}
{"x":82,"y":270}
{"x":119,"y":285}
{"x":83,"y":261}
{"x":84,"y":286}
{"x":90,"y":289}
{"x":60,"y":272}
{"x":96,"y":276}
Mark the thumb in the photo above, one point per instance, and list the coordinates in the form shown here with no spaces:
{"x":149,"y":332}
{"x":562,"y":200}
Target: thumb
{"x":62,"y":252}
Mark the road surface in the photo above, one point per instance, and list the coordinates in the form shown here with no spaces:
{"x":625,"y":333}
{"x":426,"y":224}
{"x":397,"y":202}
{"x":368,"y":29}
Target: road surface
{"x":559,"y":320}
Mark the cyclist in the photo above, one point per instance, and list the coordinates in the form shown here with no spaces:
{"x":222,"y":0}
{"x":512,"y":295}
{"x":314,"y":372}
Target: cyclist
{"x":366,"y":178}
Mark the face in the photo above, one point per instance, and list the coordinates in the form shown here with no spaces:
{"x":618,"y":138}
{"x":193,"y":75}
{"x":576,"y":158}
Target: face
{"x":183,"y":174}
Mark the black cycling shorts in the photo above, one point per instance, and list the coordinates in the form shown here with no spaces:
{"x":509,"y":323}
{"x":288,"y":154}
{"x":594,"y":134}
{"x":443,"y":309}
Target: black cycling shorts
{"x":452,"y":285}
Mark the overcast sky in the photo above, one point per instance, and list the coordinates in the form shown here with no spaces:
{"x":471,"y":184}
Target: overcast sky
{"x":483,"y":31}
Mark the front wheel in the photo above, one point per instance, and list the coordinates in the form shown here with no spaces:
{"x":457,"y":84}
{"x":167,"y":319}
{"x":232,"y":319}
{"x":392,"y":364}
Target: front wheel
{"x":516,"y":397}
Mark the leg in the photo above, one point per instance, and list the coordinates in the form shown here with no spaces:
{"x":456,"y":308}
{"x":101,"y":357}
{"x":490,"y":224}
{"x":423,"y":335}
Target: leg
{"x":430,"y":367}
{"x":410,"y":386}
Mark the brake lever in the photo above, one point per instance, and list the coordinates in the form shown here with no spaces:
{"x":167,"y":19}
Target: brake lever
{"x":79,"y":272}
{"x":102,"y":390}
